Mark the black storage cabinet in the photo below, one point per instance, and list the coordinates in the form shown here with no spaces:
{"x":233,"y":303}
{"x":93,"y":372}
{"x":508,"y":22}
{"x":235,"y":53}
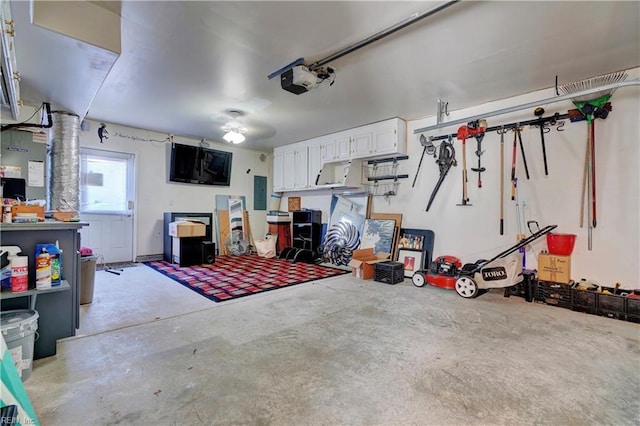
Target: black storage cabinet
{"x":307,"y":226}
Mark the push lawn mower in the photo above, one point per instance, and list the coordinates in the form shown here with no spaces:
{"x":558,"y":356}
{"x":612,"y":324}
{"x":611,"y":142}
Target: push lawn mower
{"x":443,"y":273}
{"x":503,"y":270}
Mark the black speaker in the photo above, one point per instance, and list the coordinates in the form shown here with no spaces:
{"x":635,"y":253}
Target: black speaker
{"x":208,"y":252}
{"x":187,"y":251}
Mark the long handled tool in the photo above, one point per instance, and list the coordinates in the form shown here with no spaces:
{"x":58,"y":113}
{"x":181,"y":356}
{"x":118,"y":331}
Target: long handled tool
{"x":479,"y":126}
{"x":465,"y":195}
{"x":446,"y":159}
{"x":428,"y":148}
{"x":513,"y":167}
{"x":501,"y":132}
{"x":524,"y":158}
{"x":538,"y":113}
{"x":592,"y":131}
{"x":476,"y":129}
{"x":592,"y":106}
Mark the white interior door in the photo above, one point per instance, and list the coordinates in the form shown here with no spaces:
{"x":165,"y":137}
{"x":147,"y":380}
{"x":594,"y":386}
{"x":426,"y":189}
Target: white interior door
{"x":106,"y":203}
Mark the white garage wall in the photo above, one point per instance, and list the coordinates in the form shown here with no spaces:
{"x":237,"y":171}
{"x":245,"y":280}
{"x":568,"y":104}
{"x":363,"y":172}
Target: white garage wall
{"x":156,"y":195}
{"x":472,"y":232}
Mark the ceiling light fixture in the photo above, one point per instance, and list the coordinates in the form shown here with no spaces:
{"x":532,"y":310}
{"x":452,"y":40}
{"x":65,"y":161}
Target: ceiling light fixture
{"x":234,"y":129}
{"x":234,"y":136}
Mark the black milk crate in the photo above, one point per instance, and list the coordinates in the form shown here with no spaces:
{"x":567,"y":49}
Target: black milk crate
{"x":611,"y":305}
{"x":554,"y":294}
{"x":389,"y":272}
{"x":633,"y":309}
{"x":525,"y":289}
{"x":585,"y":301}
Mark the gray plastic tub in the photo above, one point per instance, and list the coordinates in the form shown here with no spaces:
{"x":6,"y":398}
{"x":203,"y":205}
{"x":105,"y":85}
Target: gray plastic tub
{"x":19,"y":329}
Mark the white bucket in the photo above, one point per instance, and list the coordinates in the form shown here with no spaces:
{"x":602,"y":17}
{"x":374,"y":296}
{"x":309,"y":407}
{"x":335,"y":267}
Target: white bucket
{"x":19,"y":329}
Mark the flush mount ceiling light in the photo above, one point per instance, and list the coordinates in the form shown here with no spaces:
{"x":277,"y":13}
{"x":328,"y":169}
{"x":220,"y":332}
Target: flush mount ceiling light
{"x":234,"y":129}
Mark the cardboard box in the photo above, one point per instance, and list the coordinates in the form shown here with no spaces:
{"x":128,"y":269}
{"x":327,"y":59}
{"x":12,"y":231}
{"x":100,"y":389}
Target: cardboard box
{"x":363,"y":263}
{"x":186,"y":228}
{"x":554,"y":268}
{"x":28,"y":210}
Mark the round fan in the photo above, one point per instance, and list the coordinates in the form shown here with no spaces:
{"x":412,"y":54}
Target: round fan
{"x":236,"y":243}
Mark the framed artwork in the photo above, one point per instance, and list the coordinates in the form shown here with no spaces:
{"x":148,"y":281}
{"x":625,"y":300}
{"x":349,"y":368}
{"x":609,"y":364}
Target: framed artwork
{"x":378,"y":234}
{"x":411,"y":260}
{"x":293,"y":204}
{"x":418,"y":239}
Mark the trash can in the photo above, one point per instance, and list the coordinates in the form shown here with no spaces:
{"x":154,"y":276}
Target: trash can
{"x":87,"y":278}
{"x":18,"y":330}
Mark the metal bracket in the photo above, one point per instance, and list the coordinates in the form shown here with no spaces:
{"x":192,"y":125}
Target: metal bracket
{"x":443,"y":109}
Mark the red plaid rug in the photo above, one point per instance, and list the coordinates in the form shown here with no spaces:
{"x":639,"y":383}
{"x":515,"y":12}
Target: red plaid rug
{"x":238,"y":276}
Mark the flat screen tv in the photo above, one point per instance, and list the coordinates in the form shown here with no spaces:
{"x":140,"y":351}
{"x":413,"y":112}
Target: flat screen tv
{"x":205,"y":166}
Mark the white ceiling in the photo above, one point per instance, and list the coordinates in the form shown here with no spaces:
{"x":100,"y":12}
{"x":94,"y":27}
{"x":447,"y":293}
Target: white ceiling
{"x":183,"y":64}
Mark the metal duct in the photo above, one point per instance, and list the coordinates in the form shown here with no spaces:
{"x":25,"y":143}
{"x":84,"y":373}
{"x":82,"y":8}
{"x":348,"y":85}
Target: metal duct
{"x":63,"y":191}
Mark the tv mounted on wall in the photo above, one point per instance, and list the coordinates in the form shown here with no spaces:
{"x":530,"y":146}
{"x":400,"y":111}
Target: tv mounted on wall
{"x":205,"y":166}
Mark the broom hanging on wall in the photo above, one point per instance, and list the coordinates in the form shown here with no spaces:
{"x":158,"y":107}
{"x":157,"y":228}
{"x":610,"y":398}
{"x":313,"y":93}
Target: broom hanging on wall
{"x":591,"y":106}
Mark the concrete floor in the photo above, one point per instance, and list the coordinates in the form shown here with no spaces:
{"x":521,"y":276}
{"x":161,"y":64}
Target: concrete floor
{"x":336,"y":351}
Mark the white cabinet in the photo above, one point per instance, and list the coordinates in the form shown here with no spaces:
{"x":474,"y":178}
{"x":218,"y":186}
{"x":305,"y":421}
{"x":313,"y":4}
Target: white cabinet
{"x":390,"y":137}
{"x":314,"y":162}
{"x":297,"y":166}
{"x":278,"y":170}
{"x":300,"y":167}
{"x":336,"y":147}
{"x":387,"y":137}
{"x":342,"y":142}
{"x":362,"y":143}
{"x":328,"y":149}
{"x":288,"y":168}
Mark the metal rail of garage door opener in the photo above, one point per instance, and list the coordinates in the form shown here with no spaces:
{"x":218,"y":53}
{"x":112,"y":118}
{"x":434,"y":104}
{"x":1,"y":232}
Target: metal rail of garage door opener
{"x":373,"y":38}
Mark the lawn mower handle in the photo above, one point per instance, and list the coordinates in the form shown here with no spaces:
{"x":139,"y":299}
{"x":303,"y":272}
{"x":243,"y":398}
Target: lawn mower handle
{"x":520,"y":244}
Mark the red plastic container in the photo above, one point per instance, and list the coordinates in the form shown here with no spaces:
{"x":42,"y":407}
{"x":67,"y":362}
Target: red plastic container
{"x":561,"y":244}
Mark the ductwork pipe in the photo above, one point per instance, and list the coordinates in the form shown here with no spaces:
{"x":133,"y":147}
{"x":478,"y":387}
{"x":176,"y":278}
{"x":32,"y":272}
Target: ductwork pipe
{"x":63,"y":189}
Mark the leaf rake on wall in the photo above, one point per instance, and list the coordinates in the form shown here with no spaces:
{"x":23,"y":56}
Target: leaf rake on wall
{"x":591,"y":106}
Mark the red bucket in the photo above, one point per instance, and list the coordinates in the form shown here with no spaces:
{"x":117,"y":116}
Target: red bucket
{"x":561,"y":244}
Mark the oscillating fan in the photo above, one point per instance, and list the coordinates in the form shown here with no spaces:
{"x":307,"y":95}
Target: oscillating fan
{"x":236,"y":243}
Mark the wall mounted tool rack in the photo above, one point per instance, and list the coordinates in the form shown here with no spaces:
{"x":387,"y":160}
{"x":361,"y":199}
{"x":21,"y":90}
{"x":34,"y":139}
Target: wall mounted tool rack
{"x":383,"y":169}
{"x":572,"y":115}
{"x":528,"y":105}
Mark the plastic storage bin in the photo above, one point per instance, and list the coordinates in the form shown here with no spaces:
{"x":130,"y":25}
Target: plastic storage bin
{"x":18,"y":330}
{"x":87,"y":278}
{"x":389,"y":272}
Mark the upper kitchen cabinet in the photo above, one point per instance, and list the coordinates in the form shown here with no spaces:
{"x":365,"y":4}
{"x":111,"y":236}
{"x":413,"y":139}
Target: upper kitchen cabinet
{"x":362,"y":142}
{"x":314,"y":163}
{"x":297,"y":166}
{"x":336,"y":146}
{"x":278,"y":169}
{"x":383,"y":138}
{"x":290,"y":167}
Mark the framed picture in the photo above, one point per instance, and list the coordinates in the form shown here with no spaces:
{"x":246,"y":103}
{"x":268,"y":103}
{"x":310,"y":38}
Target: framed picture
{"x":293,"y":204}
{"x":418,"y":239}
{"x":412,"y":260}
{"x":378,"y":234}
